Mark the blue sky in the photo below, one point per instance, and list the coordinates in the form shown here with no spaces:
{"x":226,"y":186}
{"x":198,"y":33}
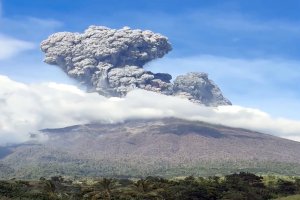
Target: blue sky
{"x":249,"y":48}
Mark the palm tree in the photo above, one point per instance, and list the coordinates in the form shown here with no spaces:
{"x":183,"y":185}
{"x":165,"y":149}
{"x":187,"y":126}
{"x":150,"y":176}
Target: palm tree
{"x":145,"y":190}
{"x":106,"y":185}
{"x":142,"y":186}
{"x":49,"y":187}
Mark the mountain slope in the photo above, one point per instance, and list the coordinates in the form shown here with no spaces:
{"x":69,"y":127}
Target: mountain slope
{"x":167,"y":147}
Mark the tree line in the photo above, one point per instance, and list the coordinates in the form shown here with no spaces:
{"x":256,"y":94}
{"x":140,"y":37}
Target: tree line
{"x":238,"y":186}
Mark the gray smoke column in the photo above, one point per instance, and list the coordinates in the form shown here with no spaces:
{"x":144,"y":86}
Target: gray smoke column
{"x":110,"y":62}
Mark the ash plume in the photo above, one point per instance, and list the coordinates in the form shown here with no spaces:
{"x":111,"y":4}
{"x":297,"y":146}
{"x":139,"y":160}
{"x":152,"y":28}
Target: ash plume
{"x":110,"y":62}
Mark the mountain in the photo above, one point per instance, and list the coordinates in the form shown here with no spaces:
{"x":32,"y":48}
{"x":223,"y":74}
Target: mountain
{"x":165,"y":147}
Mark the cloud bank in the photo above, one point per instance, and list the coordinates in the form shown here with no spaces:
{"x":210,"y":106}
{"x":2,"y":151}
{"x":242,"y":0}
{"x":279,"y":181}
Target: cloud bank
{"x":28,"y":108}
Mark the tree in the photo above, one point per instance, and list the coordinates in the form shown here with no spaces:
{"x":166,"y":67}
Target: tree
{"x":106,"y":185}
{"x":286,"y":187}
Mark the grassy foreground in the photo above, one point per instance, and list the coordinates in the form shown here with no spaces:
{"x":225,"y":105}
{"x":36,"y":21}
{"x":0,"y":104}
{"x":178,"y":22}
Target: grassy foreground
{"x":242,"y":186}
{"x":293,"y":197}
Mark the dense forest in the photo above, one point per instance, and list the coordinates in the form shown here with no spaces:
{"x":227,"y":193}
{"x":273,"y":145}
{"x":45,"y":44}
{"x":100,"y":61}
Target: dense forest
{"x":241,"y":186}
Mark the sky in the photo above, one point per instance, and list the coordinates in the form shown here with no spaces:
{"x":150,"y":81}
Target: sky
{"x":249,"y":48}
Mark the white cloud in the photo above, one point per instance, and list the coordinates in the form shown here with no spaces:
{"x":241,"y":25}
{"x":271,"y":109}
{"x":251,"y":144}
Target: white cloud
{"x":31,"y":28}
{"x":240,"y":78}
{"x":26,"y":25}
{"x":28,"y":108}
{"x":44,"y":23}
{"x":10,"y":47}
{"x":295,"y":138}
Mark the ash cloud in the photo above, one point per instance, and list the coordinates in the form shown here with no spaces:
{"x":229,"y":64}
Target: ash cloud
{"x":110,"y":62}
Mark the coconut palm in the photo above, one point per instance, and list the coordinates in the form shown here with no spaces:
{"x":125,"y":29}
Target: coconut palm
{"x":105,"y":185}
{"x":144,"y":189}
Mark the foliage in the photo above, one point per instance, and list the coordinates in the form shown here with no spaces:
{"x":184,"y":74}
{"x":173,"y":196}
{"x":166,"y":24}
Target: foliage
{"x":241,"y":186}
{"x":293,"y":197}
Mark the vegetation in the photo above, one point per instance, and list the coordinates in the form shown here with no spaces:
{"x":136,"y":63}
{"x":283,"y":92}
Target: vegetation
{"x":242,"y":186}
{"x":293,"y":197}
{"x":104,"y":168}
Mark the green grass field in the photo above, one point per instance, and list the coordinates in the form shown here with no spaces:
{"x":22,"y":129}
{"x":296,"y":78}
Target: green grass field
{"x":293,"y":197}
